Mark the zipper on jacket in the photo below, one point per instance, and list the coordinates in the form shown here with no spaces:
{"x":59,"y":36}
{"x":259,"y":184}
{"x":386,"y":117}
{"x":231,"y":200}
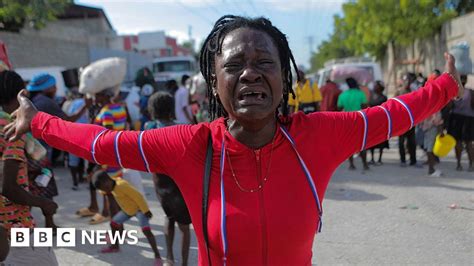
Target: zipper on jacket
{"x":262,"y":209}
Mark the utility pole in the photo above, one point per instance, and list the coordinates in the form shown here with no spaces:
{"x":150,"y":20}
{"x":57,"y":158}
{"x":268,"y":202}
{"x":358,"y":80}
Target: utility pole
{"x":190,"y":37}
{"x":310,"y":40}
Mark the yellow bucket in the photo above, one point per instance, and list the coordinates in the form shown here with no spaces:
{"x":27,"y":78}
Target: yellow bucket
{"x":443,"y":145}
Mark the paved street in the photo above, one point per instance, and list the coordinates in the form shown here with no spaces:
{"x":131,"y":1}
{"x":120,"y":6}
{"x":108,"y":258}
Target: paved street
{"x":388,"y":215}
{"x":394,"y":215}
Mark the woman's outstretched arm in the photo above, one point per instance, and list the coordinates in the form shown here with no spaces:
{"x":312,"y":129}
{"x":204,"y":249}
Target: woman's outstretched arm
{"x":152,"y":151}
{"x":357,"y":131}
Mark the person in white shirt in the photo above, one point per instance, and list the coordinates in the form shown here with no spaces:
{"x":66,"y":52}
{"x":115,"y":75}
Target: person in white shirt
{"x":181,"y":107}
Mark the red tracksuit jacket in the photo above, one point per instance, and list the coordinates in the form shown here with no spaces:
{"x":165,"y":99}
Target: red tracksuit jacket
{"x":276,"y":225}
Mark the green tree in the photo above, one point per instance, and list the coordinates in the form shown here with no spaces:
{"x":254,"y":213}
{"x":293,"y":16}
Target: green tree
{"x":375,"y":24}
{"x":462,"y":6}
{"x":15,"y":14}
{"x":369,"y":26}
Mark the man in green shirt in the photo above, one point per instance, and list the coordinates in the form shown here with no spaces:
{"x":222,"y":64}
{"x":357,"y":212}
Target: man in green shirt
{"x":351,"y":100}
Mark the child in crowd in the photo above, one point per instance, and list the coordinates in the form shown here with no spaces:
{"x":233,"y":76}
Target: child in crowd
{"x":111,"y":116}
{"x":132,"y":203}
{"x":76,"y":164}
{"x":161,"y":107}
{"x":377,"y":98}
{"x":431,"y":127}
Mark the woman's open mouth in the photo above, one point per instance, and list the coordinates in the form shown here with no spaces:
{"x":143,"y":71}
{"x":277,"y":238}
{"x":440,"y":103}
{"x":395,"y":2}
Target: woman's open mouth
{"x":252,"y":98}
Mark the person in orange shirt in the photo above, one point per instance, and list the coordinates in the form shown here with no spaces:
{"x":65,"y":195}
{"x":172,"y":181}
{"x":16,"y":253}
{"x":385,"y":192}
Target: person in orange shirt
{"x":366,"y":91}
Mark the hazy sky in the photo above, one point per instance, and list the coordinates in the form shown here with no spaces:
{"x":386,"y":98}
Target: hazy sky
{"x":298,"y":19}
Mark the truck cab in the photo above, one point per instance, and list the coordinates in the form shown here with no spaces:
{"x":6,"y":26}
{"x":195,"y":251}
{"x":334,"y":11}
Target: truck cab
{"x":364,"y":70}
{"x":174,"y":67}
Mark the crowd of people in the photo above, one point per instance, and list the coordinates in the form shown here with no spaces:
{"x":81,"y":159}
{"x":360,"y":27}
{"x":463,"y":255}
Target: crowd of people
{"x":455,"y":119}
{"x":123,"y":196}
{"x":111,"y":151}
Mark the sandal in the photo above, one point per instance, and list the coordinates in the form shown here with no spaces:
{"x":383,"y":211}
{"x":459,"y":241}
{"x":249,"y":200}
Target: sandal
{"x":98,"y":219}
{"x":85,"y":212}
{"x":110,"y":250}
{"x":166,"y":262}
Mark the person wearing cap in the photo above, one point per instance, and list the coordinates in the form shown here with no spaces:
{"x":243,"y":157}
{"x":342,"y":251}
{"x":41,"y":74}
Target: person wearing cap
{"x":42,"y":89}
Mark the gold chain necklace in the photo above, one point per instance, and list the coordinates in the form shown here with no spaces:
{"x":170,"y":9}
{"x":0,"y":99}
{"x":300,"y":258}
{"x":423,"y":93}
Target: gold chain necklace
{"x":260,"y":186}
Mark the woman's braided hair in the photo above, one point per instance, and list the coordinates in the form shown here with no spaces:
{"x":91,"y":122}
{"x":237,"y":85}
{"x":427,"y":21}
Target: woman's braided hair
{"x":213,"y":46}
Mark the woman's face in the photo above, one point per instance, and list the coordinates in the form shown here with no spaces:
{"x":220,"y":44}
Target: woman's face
{"x":248,"y":78}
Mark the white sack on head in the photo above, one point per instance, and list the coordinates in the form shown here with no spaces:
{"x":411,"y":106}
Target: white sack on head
{"x":198,"y":89}
{"x":102,"y":74}
{"x":463,"y":62}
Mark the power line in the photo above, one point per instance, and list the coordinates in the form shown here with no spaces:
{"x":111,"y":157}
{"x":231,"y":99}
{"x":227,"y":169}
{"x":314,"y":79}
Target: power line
{"x":195,"y":13}
{"x":267,"y":11}
{"x":253,"y":7}
{"x":306,"y":18}
{"x":213,"y":8}
{"x":316,"y":22}
{"x":311,"y":43}
{"x":307,"y":39}
{"x":242,"y":12}
{"x":227,"y":7}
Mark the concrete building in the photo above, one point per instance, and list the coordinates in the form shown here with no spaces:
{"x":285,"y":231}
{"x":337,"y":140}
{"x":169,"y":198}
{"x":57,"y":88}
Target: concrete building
{"x":63,"y":42}
{"x":155,"y":44}
{"x":79,"y":36}
{"x":426,"y":55}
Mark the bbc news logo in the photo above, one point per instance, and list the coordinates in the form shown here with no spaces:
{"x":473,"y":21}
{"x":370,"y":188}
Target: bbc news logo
{"x":66,"y":237}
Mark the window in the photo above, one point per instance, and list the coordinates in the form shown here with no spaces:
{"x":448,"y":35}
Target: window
{"x":173,"y":66}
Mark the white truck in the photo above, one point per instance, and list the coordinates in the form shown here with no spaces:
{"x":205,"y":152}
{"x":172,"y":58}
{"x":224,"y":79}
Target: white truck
{"x":364,"y":70}
{"x":173,"y":67}
{"x":28,"y":73}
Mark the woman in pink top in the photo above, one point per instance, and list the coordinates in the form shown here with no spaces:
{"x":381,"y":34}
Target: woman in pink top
{"x":259,"y":151}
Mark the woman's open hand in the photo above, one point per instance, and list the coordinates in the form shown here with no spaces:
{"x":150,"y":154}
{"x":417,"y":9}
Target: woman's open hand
{"x":22,"y":118}
{"x":451,"y":69}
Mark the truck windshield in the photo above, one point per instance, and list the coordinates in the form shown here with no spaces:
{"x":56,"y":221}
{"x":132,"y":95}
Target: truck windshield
{"x":172,"y":66}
